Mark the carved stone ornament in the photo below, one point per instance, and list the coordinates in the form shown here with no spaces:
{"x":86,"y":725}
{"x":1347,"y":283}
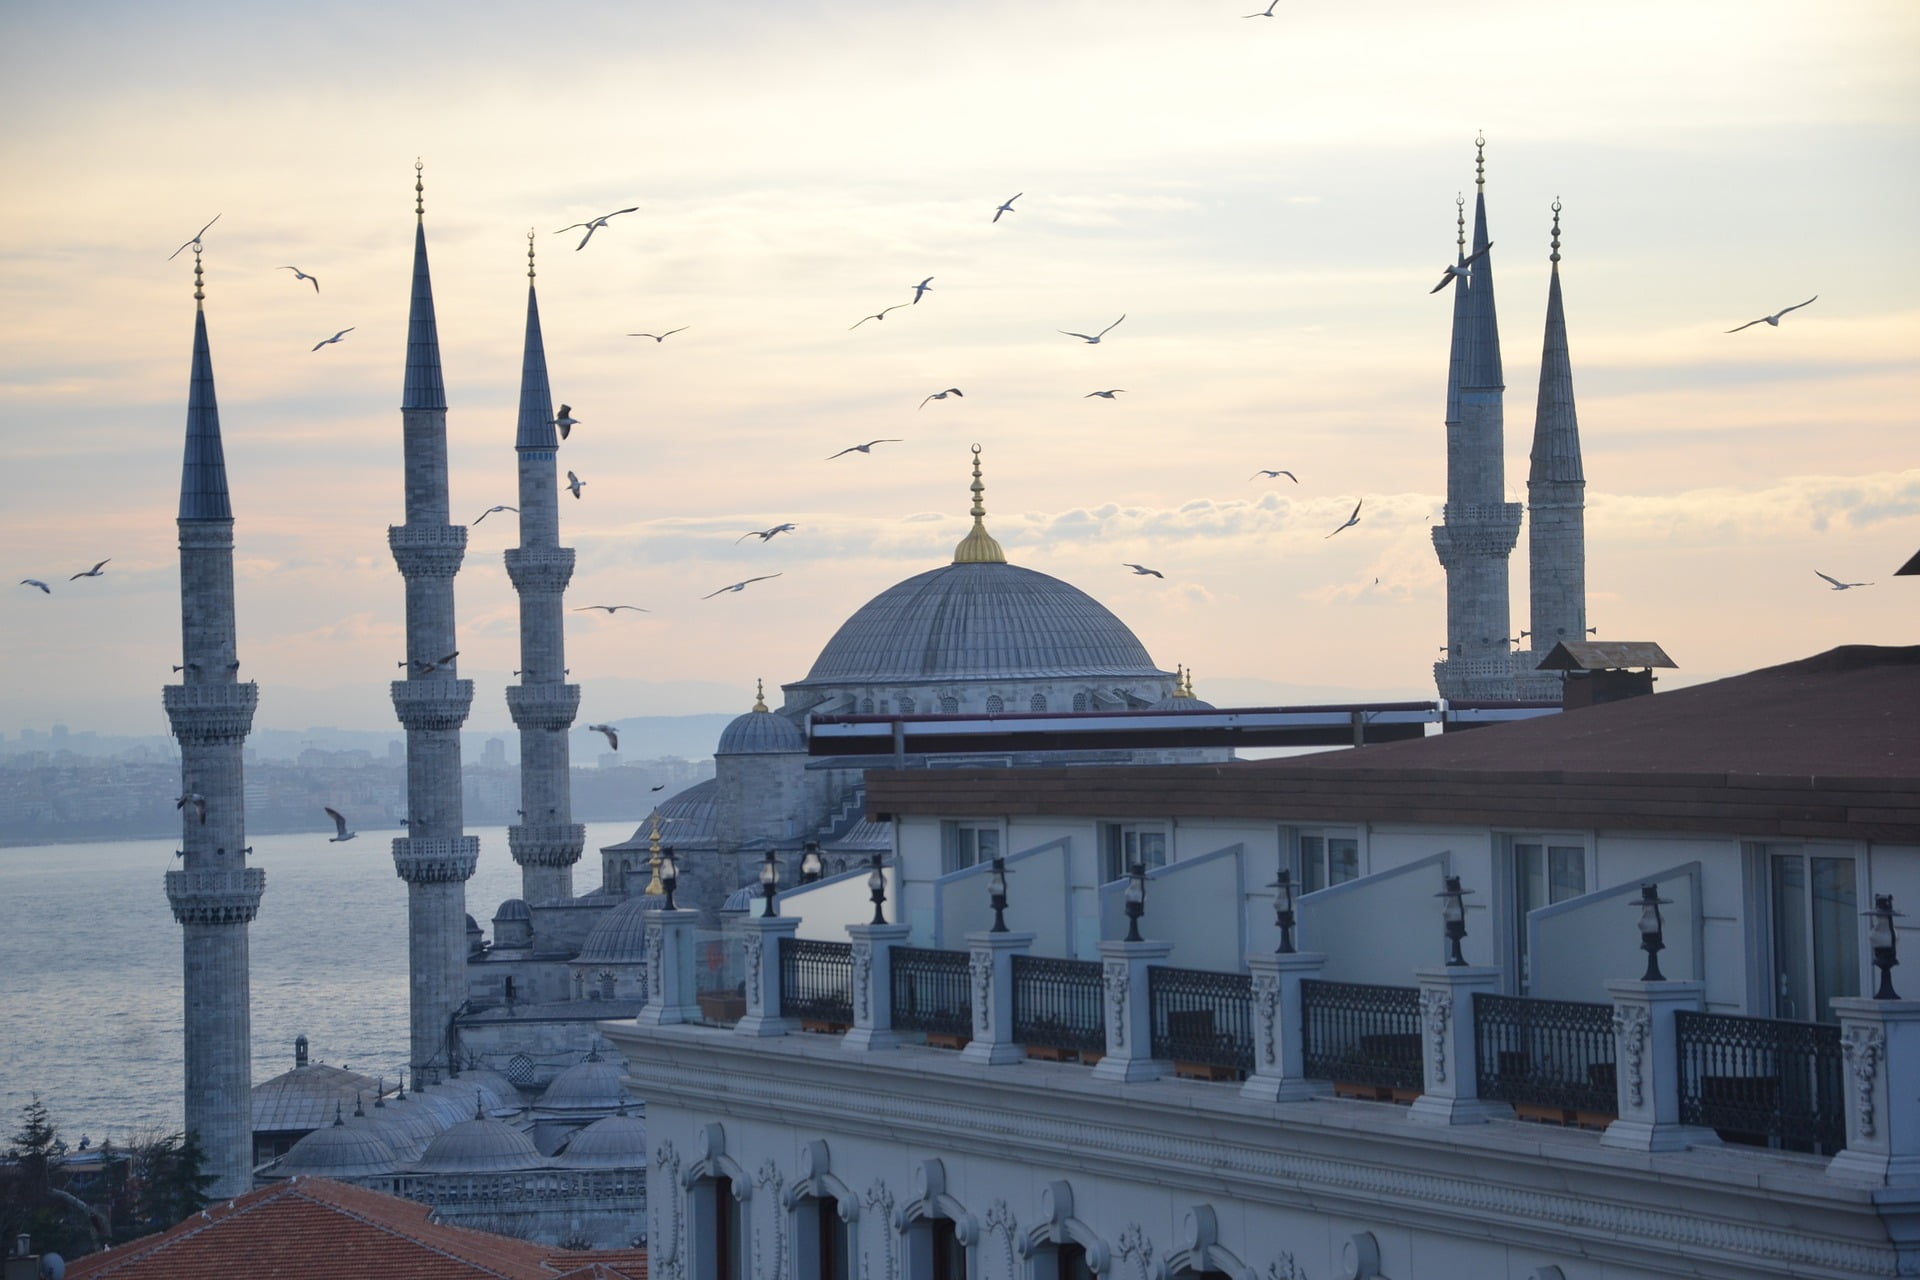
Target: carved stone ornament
{"x":772,"y":1248}
{"x":1134,"y":1247}
{"x":1266,"y":1003}
{"x":1631,"y":1024}
{"x":1436,"y":1012}
{"x":753,"y":970}
{"x":1001,"y":1222}
{"x":983,"y":993}
{"x":1864,"y":1047}
{"x":1115,"y":978}
{"x":862,"y":979}
{"x":880,"y":1196}
{"x":1285,"y":1268}
{"x":656,"y":970}
{"x":667,"y":1225}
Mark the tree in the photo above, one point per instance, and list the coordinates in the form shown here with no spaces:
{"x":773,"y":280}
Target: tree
{"x":167,"y":1181}
{"x":28,"y":1184}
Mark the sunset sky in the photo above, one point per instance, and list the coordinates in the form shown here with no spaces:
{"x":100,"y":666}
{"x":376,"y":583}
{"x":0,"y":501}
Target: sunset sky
{"x":1268,"y":201}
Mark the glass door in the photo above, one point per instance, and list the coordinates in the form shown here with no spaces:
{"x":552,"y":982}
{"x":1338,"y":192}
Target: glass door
{"x":1816,"y":932}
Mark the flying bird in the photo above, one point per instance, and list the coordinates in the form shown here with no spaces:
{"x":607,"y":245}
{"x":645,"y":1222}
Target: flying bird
{"x":335,"y":338}
{"x":765,"y":535}
{"x":490,"y":510}
{"x":196,"y":239}
{"x":659,"y":787}
{"x":1351,"y":520}
{"x":1264,"y":13}
{"x":339,"y":825}
{"x":925,"y":286}
{"x":738,"y":586}
{"x":1006,"y":206}
{"x":1143,"y":571}
{"x":613,"y":738}
{"x":1104,"y":395}
{"x":194,"y":798}
{"x":610,"y":608}
{"x":881,"y":314}
{"x":1275,"y":475}
{"x":592,"y":225}
{"x":565,"y":420}
{"x":35,"y":582}
{"x":299,"y":275}
{"x":1774,"y":319}
{"x":1096,"y":337}
{"x":89,"y":573}
{"x":660,"y":337}
{"x":942,"y":395}
{"x":575,"y":483}
{"x":863,"y":448}
{"x":1452,"y":272}
{"x":1839,"y":585}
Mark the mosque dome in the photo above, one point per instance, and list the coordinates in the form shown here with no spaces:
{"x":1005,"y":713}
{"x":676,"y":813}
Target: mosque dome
{"x":620,"y":937}
{"x":480,"y":1145}
{"x":611,"y":1142}
{"x":512,"y":909}
{"x":339,"y":1150}
{"x":759,"y":732}
{"x":592,"y":1085}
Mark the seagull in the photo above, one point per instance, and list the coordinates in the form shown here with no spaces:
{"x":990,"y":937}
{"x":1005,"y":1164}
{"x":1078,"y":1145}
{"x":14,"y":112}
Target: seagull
{"x":89,"y":573}
{"x":1351,"y":520}
{"x":299,"y":275}
{"x":925,"y":286}
{"x":1275,"y":475}
{"x":661,"y":787}
{"x":1104,"y":395}
{"x":196,"y":239}
{"x":609,"y":608}
{"x":1774,"y":319}
{"x":765,"y":535}
{"x":863,"y":448}
{"x":339,"y":825}
{"x":1006,"y":206}
{"x":565,"y":420}
{"x":613,"y":739}
{"x":942,"y":395}
{"x":592,"y":225}
{"x":490,"y":510}
{"x":35,"y":582}
{"x":1142,"y":570}
{"x":660,"y":337}
{"x":1264,"y":13}
{"x":878,"y":315}
{"x":1453,"y":272}
{"x":575,"y":483}
{"x":1837,"y":584}
{"x":738,"y":586}
{"x":194,"y":798}
{"x":335,"y":338}
{"x":1096,"y":337}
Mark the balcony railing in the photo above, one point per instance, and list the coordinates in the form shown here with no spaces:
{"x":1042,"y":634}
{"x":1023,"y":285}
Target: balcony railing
{"x":1056,"y":1005}
{"x":1764,"y":1081}
{"x":1551,"y":1059}
{"x":1362,"y":1034}
{"x":816,"y":982}
{"x":1202,"y":1017}
{"x":932,"y":992}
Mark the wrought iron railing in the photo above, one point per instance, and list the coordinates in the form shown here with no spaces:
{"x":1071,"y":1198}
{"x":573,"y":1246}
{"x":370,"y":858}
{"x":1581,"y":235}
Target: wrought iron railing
{"x":1201,"y":1016}
{"x":816,"y":981}
{"x":1056,"y":1004}
{"x":932,"y":991}
{"x":1555,"y":1054}
{"x":1766,"y":1081}
{"x":1362,"y":1034}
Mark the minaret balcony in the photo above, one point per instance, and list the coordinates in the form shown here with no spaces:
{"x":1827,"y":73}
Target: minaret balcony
{"x":211,"y":713}
{"x":216,"y":897}
{"x":1478,"y":514}
{"x":547,"y":844}
{"x":1475,"y":679}
{"x":429,"y":703}
{"x":540,"y":569}
{"x":427,"y":550}
{"x":543,"y":706}
{"x":435,"y":861}
{"x":1458,"y":545}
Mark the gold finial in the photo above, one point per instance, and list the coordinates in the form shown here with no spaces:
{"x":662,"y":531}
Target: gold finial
{"x":760,"y":695}
{"x":1186,"y":683}
{"x":978,"y":547}
{"x":654,"y":886}
{"x":419,"y":189}
{"x":1460,"y":221}
{"x":1480,"y":160}
{"x":529,"y":253}
{"x":1554,"y":257}
{"x":199,"y":293}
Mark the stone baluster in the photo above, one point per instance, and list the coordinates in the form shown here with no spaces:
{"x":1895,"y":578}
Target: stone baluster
{"x":1129,"y":1014}
{"x":1449,"y":1052}
{"x":761,"y":937}
{"x":873,"y":986}
{"x":1647,"y":1066}
{"x":1279,"y":1024}
{"x":670,"y":994}
{"x":992,"y":964}
{"x":1881,"y":1043}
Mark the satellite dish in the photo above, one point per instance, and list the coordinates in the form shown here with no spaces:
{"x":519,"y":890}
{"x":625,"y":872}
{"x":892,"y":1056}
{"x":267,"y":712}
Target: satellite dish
{"x":52,"y":1266}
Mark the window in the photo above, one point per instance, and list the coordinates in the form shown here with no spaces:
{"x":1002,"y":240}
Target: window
{"x":1038,"y":702}
{"x":1544,"y":872}
{"x":1814,"y":902}
{"x":949,"y":1255}
{"x":906,"y":705}
{"x":1326,"y":859}
{"x":1125,"y":843}
{"x":716,"y":1231}
{"x":949,"y":705}
{"x":1080,"y":701}
{"x":822,"y":1243}
{"x":963,"y":844}
{"x":994,"y":705}
{"x":866,"y":706}
{"x":1069,"y":1262}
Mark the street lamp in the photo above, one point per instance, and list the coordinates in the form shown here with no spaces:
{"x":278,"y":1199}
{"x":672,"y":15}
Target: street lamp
{"x":1283,"y":910}
{"x":810,"y":863}
{"x":877,"y":886}
{"x":1652,"y":933}
{"x":1454,"y":912}
{"x":1136,"y":903}
{"x":997,"y":895}
{"x":769,"y":882}
{"x":669,"y":874}
{"x":1886,"y":950}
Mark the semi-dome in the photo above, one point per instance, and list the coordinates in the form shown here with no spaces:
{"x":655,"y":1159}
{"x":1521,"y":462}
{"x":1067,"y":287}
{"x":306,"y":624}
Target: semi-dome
{"x":611,"y":1142}
{"x":621,"y":936}
{"x":339,"y":1150}
{"x":591,"y":1085}
{"x":481,"y":1145}
{"x":759,"y":732}
{"x":513,"y":909}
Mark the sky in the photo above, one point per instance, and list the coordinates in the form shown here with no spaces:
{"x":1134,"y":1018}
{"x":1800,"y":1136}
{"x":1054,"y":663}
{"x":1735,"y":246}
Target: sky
{"x":1267,"y":201}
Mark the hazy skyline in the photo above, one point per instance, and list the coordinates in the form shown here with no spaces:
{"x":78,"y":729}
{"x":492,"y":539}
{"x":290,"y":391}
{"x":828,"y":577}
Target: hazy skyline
{"x":1267,"y":201}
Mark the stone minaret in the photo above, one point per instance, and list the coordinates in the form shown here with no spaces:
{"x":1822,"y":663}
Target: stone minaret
{"x":546,"y":842}
{"x":1556,"y":505}
{"x":1479,"y":526}
{"x":436,"y":856}
{"x":215,"y":894}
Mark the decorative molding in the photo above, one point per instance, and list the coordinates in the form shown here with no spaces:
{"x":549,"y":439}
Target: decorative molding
{"x":753,"y":971}
{"x":1136,"y":1248}
{"x":1000,"y":1219}
{"x":1436,"y":1012}
{"x":880,"y":1196}
{"x":983,"y":993}
{"x":667,"y":1223}
{"x":1863,"y":1048}
{"x":1631,"y":1025}
{"x":769,"y":1179}
{"x":1115,"y":978}
{"x":1285,"y":1268}
{"x":656,"y":968}
{"x":862,"y":981}
{"x":1266,"y":1004}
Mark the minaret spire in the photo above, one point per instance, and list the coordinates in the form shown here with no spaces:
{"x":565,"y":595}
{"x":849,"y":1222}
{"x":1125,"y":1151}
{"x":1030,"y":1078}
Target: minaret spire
{"x":978,"y":547}
{"x":1556,"y":498}
{"x":214,"y":895}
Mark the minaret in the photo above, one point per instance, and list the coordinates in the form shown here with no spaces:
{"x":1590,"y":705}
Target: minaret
{"x":436,"y":856}
{"x":546,"y":842}
{"x":1479,"y":526}
{"x":1556,"y":503}
{"x":215,"y":894}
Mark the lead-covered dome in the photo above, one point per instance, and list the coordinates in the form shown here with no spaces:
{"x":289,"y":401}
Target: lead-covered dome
{"x":760,"y":731}
{"x":611,"y":1142}
{"x":339,"y":1150}
{"x":481,"y":1145}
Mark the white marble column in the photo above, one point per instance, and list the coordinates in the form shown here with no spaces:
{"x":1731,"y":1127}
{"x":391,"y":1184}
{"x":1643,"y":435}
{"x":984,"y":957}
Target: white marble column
{"x":1129,"y":1013}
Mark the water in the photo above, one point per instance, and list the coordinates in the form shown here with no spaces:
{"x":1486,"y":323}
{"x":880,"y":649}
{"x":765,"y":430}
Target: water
{"x":90,"y":999}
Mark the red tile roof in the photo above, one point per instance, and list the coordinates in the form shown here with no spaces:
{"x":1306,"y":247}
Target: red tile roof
{"x":312,"y":1227}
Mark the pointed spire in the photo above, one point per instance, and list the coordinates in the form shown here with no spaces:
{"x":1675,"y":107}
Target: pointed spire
{"x":1483,"y":325}
{"x":655,"y":888}
{"x":978,"y":547}
{"x":760,"y":695}
{"x":423,"y":388}
{"x":1457,"y":350}
{"x":536,"y":398}
{"x":1556,"y":430}
{"x":203,"y":472}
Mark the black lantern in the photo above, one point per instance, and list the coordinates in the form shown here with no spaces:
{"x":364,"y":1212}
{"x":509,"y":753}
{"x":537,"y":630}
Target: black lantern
{"x":1880,"y":936}
{"x":810,"y":863}
{"x":1283,"y":910}
{"x":769,"y":882}
{"x":997,"y":895}
{"x":1652,"y":931}
{"x":877,"y":886}
{"x":669,"y":874}
{"x":1454,"y":912}
{"x":1136,"y":902}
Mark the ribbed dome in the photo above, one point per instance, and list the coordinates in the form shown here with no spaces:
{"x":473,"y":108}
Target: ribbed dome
{"x":512,"y":909}
{"x":611,"y":1142}
{"x":977,"y":622}
{"x":339,"y":1150}
{"x":480,"y":1146}
{"x":621,"y":936}
{"x":593,"y":1085}
{"x":760,"y":731}
{"x":1181,"y":702}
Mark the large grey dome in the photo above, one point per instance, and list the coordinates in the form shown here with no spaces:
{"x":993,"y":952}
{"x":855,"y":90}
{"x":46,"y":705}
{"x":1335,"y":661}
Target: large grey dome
{"x":621,"y":935}
{"x":480,"y":1146}
{"x":611,"y":1142}
{"x":592,"y":1085}
{"x":339,"y":1150}
{"x":981,"y":621}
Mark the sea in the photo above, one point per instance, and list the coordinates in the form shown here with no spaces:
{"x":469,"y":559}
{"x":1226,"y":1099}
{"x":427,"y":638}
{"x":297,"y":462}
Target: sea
{"x":90,"y":968}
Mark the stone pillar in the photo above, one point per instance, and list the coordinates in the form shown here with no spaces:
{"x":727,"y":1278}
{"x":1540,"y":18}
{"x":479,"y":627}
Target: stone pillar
{"x":761,"y":936}
{"x":1449,"y":1054}
{"x":669,"y":969}
{"x":1279,"y":1027}
{"x":1647,"y":1058}
{"x":1881,"y":1041}
{"x":1129,"y":1014}
{"x":992,"y":963}
{"x":873,"y":987}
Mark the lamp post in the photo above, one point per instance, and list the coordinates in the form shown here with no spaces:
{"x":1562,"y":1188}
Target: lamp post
{"x":1283,"y":910}
{"x":1136,"y":902}
{"x":1652,"y":932}
{"x":810,"y":863}
{"x":877,"y":886}
{"x":1454,"y":913}
{"x":669,"y":874}
{"x":1886,"y":950}
{"x":769,"y":884}
{"x":997,"y":895}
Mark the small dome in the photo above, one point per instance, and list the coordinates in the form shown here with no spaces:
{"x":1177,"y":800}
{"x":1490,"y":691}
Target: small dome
{"x":759,"y":732}
{"x":621,"y":935}
{"x":480,"y":1146}
{"x":512,"y":909}
{"x":1181,"y":702}
{"x":611,"y":1142}
{"x":339,"y":1150}
{"x":593,"y":1085}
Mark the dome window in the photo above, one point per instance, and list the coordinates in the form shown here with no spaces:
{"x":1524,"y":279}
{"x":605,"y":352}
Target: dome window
{"x":1038,"y":703}
{"x":994,"y":705}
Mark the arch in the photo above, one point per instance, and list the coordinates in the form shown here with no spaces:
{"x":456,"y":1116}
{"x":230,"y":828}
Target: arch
{"x":718,"y":1193}
{"x":949,"y":705}
{"x":1037,"y":703}
{"x":1201,"y":1250}
{"x":934,"y":1220}
{"x":1060,"y":1227}
{"x":817,"y":1181}
{"x":866,"y":706}
{"x":823,"y":1248}
{"x":1080,"y":701}
{"x":995,"y":704}
{"x":710,"y":1161}
{"x":906,"y":704}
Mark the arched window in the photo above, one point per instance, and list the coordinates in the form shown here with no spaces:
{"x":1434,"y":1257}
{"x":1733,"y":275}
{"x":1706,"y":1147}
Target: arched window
{"x":866,"y":706}
{"x":1038,"y":703}
{"x":606,"y":984}
{"x":826,"y":1214}
{"x":1080,"y":701}
{"x":1063,"y":1247}
{"x":906,"y":705}
{"x":718,"y":1191}
{"x":949,"y":705}
{"x":940,"y":1233}
{"x":994,"y":705}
